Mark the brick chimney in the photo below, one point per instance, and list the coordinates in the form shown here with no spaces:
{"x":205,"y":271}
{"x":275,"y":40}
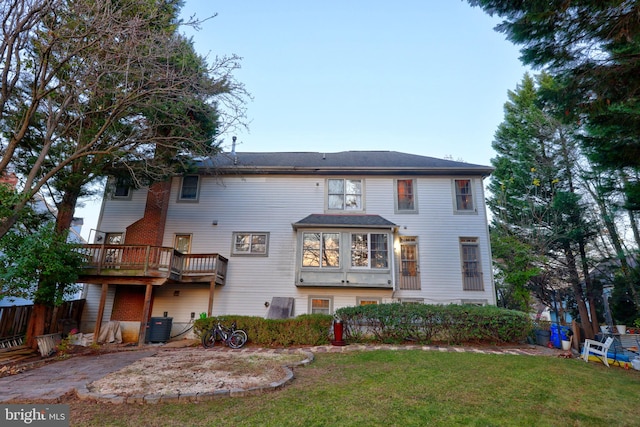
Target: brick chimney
{"x":149,"y":230}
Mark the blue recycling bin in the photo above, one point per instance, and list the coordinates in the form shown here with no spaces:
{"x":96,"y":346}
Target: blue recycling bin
{"x":559,"y":333}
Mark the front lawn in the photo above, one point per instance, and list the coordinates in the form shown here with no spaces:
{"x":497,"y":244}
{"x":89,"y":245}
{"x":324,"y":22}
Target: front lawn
{"x":410,"y":388}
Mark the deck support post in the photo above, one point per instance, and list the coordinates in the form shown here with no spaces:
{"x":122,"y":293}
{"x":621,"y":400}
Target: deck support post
{"x":145,"y":314}
{"x":103,"y":300}
{"x":212,"y":287}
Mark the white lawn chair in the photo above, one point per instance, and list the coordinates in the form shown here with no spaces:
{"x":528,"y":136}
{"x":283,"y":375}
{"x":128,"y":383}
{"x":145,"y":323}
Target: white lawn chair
{"x":598,"y":349}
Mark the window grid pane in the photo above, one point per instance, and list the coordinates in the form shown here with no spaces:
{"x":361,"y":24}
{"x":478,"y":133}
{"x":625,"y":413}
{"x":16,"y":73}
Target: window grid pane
{"x":182,"y":243}
{"x":336,"y":201}
{"x":331,"y":250}
{"x":405,"y":194}
{"x":344,"y":194}
{"x":258,"y":243}
{"x":189,"y":187}
{"x":311,"y":250}
{"x":369,"y":250}
{"x":250,"y":243}
{"x":321,"y":250}
{"x":379,"y":251}
{"x":122,"y":188}
{"x":242,"y":243}
{"x":359,"y":250}
{"x":464,"y":198}
{"x":353,"y":194}
{"x":471,"y":269}
{"x":320,"y":305}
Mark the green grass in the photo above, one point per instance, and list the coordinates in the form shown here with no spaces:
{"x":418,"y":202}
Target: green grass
{"x":410,"y":388}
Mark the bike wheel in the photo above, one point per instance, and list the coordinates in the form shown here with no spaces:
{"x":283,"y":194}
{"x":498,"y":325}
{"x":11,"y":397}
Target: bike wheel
{"x":244,"y":334}
{"x":208,"y":339}
{"x":237,"y":339}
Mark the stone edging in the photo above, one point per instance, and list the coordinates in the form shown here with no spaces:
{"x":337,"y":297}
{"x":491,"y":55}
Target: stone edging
{"x":83,"y":392}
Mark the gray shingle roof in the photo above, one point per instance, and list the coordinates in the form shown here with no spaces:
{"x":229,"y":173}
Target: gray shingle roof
{"x":361,"y":162}
{"x":353,"y":221}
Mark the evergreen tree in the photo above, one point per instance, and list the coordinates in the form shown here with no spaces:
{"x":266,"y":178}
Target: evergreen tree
{"x":534,"y":199}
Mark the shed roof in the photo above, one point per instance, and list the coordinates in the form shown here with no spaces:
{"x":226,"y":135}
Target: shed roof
{"x":343,"y":221}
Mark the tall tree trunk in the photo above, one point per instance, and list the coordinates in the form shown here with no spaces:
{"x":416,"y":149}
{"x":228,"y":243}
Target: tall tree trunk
{"x":588,"y":285}
{"x":615,"y":240}
{"x":66,"y":209}
{"x":576,"y":286}
{"x":7,"y":223}
{"x":634,"y":226}
{"x":631,"y":213}
{"x":36,"y":325}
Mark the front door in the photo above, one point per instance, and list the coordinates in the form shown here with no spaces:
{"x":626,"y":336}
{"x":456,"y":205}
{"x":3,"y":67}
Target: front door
{"x":409,"y":267}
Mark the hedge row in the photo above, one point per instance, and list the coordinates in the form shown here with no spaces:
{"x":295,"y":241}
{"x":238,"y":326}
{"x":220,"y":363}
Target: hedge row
{"x":306,"y":329}
{"x":425,"y":323}
{"x":386,"y":323}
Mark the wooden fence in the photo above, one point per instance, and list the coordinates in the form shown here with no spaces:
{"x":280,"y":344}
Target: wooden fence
{"x":14,"y":319}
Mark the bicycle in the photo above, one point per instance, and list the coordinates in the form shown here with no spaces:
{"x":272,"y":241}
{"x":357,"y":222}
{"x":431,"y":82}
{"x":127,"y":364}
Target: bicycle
{"x":233,"y":337}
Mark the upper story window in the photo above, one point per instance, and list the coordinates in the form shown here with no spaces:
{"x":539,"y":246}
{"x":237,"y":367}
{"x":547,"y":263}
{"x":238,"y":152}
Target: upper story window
{"x":464,"y":195}
{"x":369,"y":250}
{"x":344,"y":194}
{"x":121,"y":188}
{"x":189,"y":188}
{"x":405,"y":196}
{"x":250,"y":243}
{"x":321,"y":250}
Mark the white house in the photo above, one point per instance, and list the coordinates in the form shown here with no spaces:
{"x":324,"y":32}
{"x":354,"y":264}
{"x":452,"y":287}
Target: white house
{"x":292,"y":233}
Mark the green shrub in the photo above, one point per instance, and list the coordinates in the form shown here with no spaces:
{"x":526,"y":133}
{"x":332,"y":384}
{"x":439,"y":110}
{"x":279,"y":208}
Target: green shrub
{"x":386,"y":323}
{"x":424,"y":323}
{"x":306,"y":329}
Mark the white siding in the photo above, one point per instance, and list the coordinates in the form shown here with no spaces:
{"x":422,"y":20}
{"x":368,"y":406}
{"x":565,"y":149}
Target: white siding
{"x":179,"y":306}
{"x":117,"y":214}
{"x":272,"y":204}
{"x":90,"y":311}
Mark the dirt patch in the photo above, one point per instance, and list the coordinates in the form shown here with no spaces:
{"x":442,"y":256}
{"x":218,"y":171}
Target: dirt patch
{"x":195,"y":371}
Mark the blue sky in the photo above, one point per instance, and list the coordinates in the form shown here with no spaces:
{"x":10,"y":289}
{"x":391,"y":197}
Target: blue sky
{"x":337,"y":75}
{"x":427,"y":78}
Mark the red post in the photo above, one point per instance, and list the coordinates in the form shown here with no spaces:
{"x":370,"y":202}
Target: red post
{"x":337,"y":333}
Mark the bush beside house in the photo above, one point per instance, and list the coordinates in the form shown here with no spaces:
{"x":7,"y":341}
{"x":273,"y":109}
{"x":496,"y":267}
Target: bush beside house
{"x":387,"y":323}
{"x":306,"y":329}
{"x":426,"y":324}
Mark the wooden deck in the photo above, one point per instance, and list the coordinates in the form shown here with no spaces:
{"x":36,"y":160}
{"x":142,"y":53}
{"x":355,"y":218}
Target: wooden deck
{"x":150,"y":265}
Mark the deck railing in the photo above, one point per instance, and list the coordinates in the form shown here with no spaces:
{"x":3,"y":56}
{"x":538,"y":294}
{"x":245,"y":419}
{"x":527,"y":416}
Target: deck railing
{"x":142,"y":260}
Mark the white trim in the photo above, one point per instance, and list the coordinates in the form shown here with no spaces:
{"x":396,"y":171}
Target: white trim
{"x":344,"y":194}
{"x":454,"y":189}
{"x":251,"y":234}
{"x":414,"y":188}
{"x":324,"y":298}
{"x":189,"y":199}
